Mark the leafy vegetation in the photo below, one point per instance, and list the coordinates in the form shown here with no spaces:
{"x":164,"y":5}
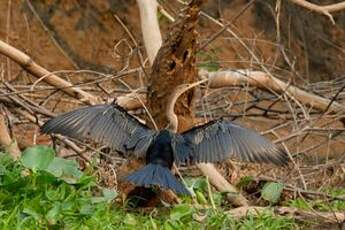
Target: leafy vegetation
{"x":327,"y":204}
{"x":45,"y":191}
{"x":272,"y":191}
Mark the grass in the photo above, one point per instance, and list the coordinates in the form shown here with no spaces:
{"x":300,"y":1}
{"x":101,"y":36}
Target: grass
{"x":42,"y":194}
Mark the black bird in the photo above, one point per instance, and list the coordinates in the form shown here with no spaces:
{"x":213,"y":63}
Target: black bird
{"x":212,"y":142}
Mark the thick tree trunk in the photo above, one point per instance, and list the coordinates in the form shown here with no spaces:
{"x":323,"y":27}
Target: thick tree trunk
{"x":173,"y":66}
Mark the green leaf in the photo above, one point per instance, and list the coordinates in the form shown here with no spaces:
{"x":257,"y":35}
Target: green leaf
{"x":87,"y":209}
{"x":31,"y":212}
{"x":38,"y":157}
{"x":200,"y":197}
{"x":200,"y":184}
{"x":272,"y":191}
{"x":53,"y":214}
{"x":66,"y":170}
{"x":108,"y":196}
{"x":130,"y":220}
{"x":245,"y":181}
{"x":181,"y":211}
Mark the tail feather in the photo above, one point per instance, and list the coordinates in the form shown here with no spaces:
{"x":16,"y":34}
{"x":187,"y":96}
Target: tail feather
{"x":154,"y":174}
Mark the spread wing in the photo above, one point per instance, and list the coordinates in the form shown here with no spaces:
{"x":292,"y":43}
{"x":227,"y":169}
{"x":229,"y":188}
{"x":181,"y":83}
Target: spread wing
{"x":219,"y":140}
{"x":107,"y":124}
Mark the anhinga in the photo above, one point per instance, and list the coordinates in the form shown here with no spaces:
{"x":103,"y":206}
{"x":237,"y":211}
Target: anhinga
{"x":214,"y":141}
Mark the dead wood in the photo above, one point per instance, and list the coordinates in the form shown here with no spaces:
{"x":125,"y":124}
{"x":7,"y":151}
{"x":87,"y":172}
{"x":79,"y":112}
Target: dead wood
{"x":263,"y":81}
{"x":175,"y":65}
{"x":325,"y":9}
{"x":38,"y":71}
{"x":9,"y":145}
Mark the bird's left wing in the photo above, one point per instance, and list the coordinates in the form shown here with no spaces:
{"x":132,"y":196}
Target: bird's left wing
{"x":107,"y":124}
{"x":219,"y":140}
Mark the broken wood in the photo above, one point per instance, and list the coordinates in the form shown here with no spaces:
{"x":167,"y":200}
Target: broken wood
{"x":6,"y":142}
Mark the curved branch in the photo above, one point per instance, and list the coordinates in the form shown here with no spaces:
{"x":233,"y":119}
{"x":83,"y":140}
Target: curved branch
{"x":263,"y":81}
{"x":325,"y":10}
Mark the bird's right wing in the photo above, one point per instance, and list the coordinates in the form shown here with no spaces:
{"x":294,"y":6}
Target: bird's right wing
{"x":220,"y":140}
{"x":107,"y":124}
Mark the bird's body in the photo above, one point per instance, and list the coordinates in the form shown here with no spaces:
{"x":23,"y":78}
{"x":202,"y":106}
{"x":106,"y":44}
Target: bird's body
{"x":160,"y":151}
{"x":212,"y":142}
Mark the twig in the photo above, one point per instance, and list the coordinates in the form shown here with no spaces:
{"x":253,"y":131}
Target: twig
{"x":232,"y":21}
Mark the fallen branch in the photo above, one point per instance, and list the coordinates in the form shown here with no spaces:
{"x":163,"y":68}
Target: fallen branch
{"x":302,"y":215}
{"x":131,"y":101}
{"x":258,"y":79}
{"x":221,"y":184}
{"x":261,"y":80}
{"x":325,"y":10}
{"x":38,"y":71}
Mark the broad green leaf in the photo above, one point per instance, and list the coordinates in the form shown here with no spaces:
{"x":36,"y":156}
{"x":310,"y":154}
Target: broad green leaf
{"x":66,"y":170}
{"x":181,"y":211}
{"x":272,"y":191}
{"x":87,"y":209}
{"x":38,"y":157}
{"x":108,"y":196}
{"x":200,"y":184}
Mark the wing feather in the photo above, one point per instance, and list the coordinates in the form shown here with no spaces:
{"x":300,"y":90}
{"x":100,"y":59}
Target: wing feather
{"x":219,"y":140}
{"x":108,"y":124}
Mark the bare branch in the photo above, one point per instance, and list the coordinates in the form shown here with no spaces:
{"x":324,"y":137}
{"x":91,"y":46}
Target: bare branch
{"x":221,"y":184}
{"x":150,"y":28}
{"x":263,"y":81}
{"x":325,"y":10}
{"x":38,"y":71}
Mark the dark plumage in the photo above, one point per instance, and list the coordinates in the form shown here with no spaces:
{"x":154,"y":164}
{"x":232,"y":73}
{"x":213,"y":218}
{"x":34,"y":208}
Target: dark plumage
{"x":212,"y":142}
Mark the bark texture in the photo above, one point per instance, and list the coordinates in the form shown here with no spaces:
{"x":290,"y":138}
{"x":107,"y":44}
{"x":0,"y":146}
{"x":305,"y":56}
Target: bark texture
{"x":173,"y":66}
